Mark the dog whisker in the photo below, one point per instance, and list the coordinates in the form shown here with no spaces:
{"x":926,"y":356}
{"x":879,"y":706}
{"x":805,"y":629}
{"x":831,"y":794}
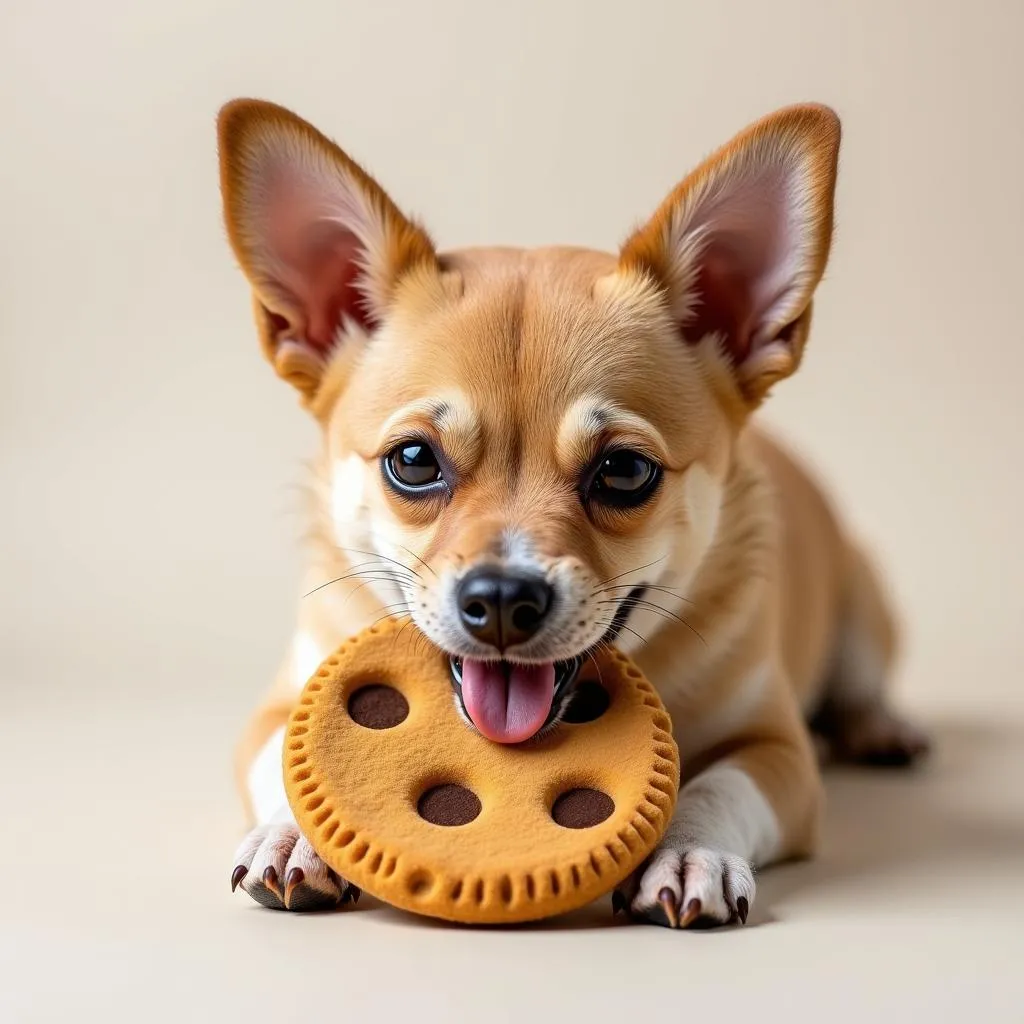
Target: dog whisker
{"x":653,"y":606}
{"x":392,"y":615}
{"x":609,"y":624}
{"x":639,"y":568}
{"x":379,"y":574}
{"x":382,"y":566}
{"x":396,"y":608}
{"x":418,"y":637}
{"x":369,"y":582}
{"x":395,"y":561}
{"x":425,"y":565}
{"x":601,"y":645}
{"x":658,"y":610}
{"x":675,"y":592}
{"x":637,"y":602}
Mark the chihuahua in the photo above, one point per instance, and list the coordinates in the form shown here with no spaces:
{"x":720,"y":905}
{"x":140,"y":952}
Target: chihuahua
{"x":529,"y":453}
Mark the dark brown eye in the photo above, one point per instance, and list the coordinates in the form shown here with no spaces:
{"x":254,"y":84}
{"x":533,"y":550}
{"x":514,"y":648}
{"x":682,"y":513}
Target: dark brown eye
{"x":412,"y":466}
{"x":624,"y":478}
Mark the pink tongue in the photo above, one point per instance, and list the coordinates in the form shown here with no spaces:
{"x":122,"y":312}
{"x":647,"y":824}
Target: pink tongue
{"x":512,"y":709}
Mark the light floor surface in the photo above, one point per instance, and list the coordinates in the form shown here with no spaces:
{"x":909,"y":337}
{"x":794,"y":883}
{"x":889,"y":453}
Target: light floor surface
{"x":117,"y":847}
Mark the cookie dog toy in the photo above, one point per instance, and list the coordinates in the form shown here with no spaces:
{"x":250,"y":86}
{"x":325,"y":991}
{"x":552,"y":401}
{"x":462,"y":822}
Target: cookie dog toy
{"x":399,"y":796}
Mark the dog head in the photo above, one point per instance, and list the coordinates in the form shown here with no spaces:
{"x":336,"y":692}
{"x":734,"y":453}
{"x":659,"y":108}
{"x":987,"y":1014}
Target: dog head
{"x":527,"y":442}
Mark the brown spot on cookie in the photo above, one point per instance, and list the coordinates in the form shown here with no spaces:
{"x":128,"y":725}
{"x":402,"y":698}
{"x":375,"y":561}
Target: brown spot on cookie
{"x":582,"y":808}
{"x":378,"y":707}
{"x":449,"y":804}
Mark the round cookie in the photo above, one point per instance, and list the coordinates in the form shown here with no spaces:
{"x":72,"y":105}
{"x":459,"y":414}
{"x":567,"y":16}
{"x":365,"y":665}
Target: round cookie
{"x":402,"y":798}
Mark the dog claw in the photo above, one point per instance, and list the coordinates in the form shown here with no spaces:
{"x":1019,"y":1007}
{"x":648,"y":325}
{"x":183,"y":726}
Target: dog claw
{"x":693,"y":909}
{"x":237,"y":875}
{"x":271,"y":881}
{"x":295,"y":878}
{"x":618,"y":902}
{"x":742,"y":909}
{"x":667,"y":899}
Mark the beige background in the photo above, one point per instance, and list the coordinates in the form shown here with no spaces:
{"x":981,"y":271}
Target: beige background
{"x":148,"y":522}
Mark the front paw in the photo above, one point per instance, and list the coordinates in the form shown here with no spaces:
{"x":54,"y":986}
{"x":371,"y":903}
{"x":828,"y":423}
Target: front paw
{"x":277,"y":867}
{"x":693,"y":885}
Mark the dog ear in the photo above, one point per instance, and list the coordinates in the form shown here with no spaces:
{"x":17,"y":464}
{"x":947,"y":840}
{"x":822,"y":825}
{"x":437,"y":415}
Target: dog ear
{"x":741,"y":243}
{"x":320,"y":241}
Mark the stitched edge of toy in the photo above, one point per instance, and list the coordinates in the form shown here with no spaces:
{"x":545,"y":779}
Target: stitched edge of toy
{"x":501,"y":898}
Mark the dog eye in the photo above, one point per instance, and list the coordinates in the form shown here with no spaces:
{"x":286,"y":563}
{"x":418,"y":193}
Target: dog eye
{"x":624,"y":478}
{"x":412,"y":465}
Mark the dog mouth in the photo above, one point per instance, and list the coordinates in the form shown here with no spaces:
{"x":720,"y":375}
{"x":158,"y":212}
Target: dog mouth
{"x":509,"y":702}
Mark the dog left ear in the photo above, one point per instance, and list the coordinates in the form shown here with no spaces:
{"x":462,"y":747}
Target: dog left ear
{"x":741,"y":243}
{"x":322,"y":244}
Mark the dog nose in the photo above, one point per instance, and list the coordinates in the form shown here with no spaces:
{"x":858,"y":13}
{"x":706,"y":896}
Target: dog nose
{"x":501,"y":609}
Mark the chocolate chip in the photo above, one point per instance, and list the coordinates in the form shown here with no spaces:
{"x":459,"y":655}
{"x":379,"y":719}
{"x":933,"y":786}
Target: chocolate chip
{"x":582,"y":808}
{"x":589,"y":701}
{"x":449,"y":804}
{"x":378,"y":707}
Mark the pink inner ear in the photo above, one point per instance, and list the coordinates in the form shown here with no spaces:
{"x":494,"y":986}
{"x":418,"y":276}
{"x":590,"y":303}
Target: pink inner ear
{"x":317,"y":261}
{"x":725,"y":301}
{"x":746,"y":265}
{"x":330,"y":276}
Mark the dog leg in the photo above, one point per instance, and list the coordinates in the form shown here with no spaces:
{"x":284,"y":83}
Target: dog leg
{"x":757,"y":804}
{"x":275,"y":864}
{"x":277,"y":867}
{"x":855,"y":719}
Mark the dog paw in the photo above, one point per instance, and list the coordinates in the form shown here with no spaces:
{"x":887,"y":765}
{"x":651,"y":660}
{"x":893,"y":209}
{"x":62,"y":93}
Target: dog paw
{"x":277,"y":867}
{"x":695,"y":886}
{"x":878,"y":738}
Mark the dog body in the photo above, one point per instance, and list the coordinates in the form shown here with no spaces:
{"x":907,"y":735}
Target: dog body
{"x":530,"y":453}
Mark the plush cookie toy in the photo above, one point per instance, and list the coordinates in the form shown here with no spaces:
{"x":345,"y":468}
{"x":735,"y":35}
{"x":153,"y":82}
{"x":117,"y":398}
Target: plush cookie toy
{"x":402,"y":798}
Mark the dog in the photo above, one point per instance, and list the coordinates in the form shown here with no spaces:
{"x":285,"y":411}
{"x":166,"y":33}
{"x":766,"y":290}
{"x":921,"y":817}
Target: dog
{"x":529,"y":453}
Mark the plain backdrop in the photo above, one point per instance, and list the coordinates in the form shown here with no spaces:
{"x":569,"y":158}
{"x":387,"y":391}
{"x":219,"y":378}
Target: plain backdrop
{"x":148,"y":456}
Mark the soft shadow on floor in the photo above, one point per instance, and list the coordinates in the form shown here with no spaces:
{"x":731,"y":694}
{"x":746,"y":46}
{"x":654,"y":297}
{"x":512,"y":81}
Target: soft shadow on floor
{"x":921,"y":821}
{"x":878,"y":821}
{"x":596,"y":916}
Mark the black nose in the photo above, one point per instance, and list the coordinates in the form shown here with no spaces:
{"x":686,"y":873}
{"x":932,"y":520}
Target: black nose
{"x":502,"y":609}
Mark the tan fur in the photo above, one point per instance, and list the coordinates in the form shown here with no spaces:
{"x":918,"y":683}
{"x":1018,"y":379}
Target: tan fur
{"x":518,"y":365}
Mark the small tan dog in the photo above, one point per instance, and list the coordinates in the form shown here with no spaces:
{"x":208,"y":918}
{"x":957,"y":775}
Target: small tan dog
{"x":530,"y":453}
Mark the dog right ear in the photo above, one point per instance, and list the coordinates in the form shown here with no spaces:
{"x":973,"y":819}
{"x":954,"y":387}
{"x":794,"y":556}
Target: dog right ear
{"x":740,"y":244}
{"x":322,"y":244}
